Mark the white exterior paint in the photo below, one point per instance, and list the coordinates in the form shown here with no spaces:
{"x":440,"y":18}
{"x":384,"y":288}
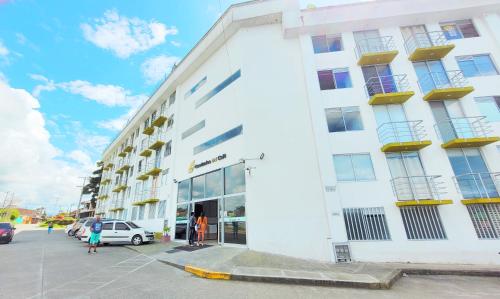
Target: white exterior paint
{"x":293,"y":200}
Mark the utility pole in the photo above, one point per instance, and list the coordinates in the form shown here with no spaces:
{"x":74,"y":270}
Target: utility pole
{"x":5,"y":199}
{"x":81,"y":195}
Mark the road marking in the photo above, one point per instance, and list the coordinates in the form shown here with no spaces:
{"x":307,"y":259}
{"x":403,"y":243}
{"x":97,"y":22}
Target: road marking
{"x":103,"y":271}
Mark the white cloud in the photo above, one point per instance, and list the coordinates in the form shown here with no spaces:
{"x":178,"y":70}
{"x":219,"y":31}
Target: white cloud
{"x":108,"y":95}
{"x":83,"y":159}
{"x":119,"y":123}
{"x":175,"y":44}
{"x":3,"y":78}
{"x":3,"y":50}
{"x":31,"y":166}
{"x":125,"y":36}
{"x":156,"y":68}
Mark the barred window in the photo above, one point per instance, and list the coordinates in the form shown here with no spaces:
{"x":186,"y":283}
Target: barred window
{"x":366,"y":224}
{"x":486,"y":220}
{"x":422,"y":223}
{"x":134,"y":214}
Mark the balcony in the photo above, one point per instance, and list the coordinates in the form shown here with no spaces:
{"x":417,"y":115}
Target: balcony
{"x":141,"y":174}
{"x":153,"y":168}
{"x":123,"y":166}
{"x":377,"y":50}
{"x":128,"y":149}
{"x":419,"y":191}
{"x":145,"y":151}
{"x":120,"y":188}
{"x":460,"y":132}
{"x":428,"y":46}
{"x":160,"y":120}
{"x":117,"y":205}
{"x":109,"y":166}
{"x":402,"y":136}
{"x":103,"y":197}
{"x":105,"y":181}
{"x":122,"y":154}
{"x":157,"y":140}
{"x":439,"y":86}
{"x":384,"y":90}
{"x":147,"y":196}
{"x":479,"y":188}
{"x":148,"y":130}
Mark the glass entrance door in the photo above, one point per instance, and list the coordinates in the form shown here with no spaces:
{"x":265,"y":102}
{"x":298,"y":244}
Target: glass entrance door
{"x":379,"y":79}
{"x":471,"y":173}
{"x":410,"y":181}
{"x":417,"y":35}
{"x":392,"y":123}
{"x":431,"y":75}
{"x":368,"y":41}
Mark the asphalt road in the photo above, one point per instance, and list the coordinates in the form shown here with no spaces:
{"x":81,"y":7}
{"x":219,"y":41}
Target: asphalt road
{"x":37,"y":265}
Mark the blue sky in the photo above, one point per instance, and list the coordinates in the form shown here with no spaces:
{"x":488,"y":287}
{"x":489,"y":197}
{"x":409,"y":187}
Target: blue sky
{"x":72,"y":73}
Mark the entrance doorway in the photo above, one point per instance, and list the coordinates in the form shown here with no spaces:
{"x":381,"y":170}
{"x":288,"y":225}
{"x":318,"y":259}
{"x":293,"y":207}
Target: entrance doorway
{"x":209,"y":208}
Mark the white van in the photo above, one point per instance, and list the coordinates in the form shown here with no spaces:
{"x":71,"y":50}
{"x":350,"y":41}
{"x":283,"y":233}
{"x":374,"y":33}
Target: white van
{"x":121,"y":232}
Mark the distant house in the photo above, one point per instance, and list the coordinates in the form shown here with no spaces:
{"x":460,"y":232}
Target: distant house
{"x":29,"y":216}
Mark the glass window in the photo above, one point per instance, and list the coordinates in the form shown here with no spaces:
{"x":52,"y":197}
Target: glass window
{"x":132,"y":225}
{"x":344,"y":119}
{"x":134,"y":214}
{"x":333,"y":79}
{"x":353,"y":167}
{"x":107,"y":226}
{"x":327,"y":43}
{"x":182,"y":213}
{"x":121,"y":226}
{"x":168,"y":149}
{"x":477,"y":65}
{"x":219,"y":139}
{"x":234,"y":220}
{"x":234,"y":179}
{"x":198,"y":187}
{"x":213,"y":184}
{"x":489,"y":107}
{"x":195,"y":87}
{"x":161,"y":208}
{"x":152,"y":211}
{"x":183,"y":192}
{"x":193,"y":129}
{"x":218,"y":88}
{"x":171,"y":99}
{"x":141,"y":212}
{"x":459,"y":29}
{"x":326,"y":81}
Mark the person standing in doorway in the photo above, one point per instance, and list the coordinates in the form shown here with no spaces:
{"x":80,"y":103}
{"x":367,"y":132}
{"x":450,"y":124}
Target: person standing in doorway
{"x":95,"y":236}
{"x":202,"y":227}
{"x":50,"y":227}
{"x":192,"y":224}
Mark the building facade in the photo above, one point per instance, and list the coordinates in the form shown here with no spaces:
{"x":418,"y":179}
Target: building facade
{"x":364,"y":132}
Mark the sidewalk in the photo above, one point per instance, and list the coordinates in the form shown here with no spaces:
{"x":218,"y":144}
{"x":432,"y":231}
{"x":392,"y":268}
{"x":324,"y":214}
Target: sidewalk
{"x":218,"y":262}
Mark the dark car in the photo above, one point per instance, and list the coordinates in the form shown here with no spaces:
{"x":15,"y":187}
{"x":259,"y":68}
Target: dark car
{"x":6,"y":232}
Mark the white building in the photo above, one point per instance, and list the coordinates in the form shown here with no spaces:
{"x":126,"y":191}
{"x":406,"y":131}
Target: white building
{"x":365,"y":131}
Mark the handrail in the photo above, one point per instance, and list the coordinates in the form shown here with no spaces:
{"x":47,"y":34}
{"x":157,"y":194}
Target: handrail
{"x":374,"y":45}
{"x":478,"y":184}
{"x":463,"y":127}
{"x":386,"y":84}
{"x":441,"y":80}
{"x":424,"y":187}
{"x":425,"y":40}
{"x":401,"y":131}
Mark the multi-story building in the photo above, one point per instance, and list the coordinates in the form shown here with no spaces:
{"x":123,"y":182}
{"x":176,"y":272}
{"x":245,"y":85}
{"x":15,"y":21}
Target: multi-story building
{"x":361,"y":131}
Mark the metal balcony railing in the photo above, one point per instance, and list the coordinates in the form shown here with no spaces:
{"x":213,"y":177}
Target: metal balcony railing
{"x":441,"y":80}
{"x":463,"y":127}
{"x":425,"y":40}
{"x":375,"y":45}
{"x":426,"y":187}
{"x":386,"y":84}
{"x":478,"y":185}
{"x":401,"y":131}
{"x":158,"y":135}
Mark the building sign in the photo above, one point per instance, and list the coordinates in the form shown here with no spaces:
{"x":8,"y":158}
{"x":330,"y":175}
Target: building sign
{"x":192,"y":166}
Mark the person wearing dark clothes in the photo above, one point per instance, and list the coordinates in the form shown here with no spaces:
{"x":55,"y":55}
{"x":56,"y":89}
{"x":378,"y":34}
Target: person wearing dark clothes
{"x":192,"y":224}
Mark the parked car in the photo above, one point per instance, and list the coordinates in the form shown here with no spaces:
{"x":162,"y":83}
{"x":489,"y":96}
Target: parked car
{"x":76,"y":227}
{"x":121,"y":232}
{"x":68,"y":228}
{"x":83,"y":233}
{"x":6,"y":232}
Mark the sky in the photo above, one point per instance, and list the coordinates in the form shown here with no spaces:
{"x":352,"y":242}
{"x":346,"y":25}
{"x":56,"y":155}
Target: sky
{"x":72,"y":73}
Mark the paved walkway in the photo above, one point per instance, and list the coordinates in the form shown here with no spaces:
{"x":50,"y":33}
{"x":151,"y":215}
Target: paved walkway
{"x":247,"y":265}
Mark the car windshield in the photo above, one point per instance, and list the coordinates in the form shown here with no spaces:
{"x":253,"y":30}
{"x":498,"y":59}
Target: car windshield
{"x":5,"y":225}
{"x":132,"y":225}
{"x":88,"y":223}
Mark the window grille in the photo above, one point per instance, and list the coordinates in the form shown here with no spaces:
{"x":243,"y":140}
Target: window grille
{"x":486,"y":220}
{"x":366,"y":224}
{"x":422,"y":223}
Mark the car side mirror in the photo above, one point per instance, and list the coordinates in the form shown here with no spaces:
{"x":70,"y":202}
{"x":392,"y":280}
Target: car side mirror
{"x":13,"y":228}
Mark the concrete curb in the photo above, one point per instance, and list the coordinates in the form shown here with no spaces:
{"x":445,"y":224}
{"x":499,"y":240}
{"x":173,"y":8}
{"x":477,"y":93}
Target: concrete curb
{"x":385,"y":284}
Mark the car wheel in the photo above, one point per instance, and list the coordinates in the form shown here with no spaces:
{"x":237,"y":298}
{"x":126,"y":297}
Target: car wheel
{"x":137,"y":240}
{"x":70,"y":233}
